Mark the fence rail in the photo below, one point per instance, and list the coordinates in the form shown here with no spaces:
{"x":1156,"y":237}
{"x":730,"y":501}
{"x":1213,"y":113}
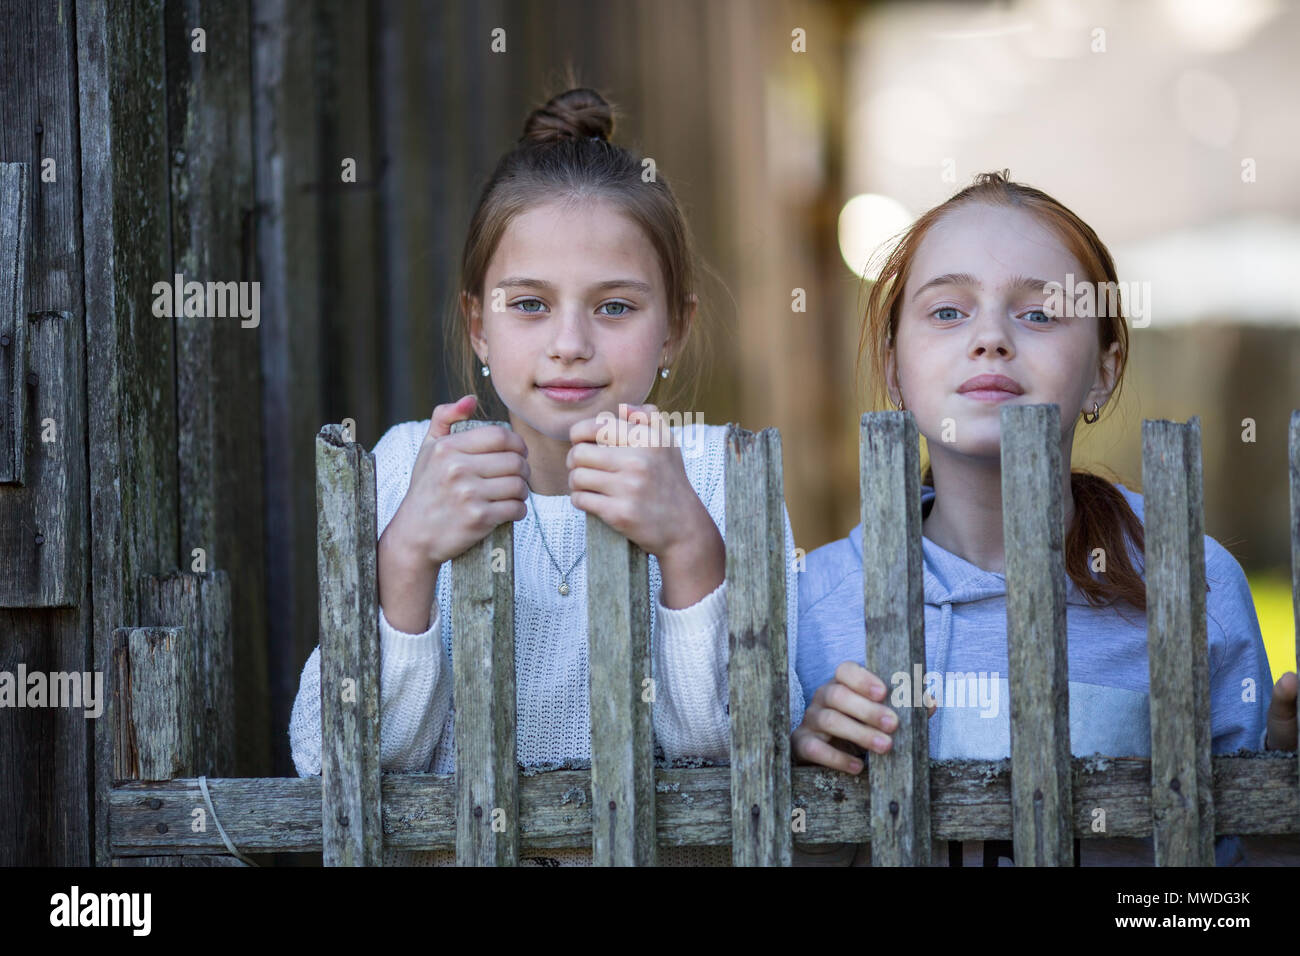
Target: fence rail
{"x":625,"y":807}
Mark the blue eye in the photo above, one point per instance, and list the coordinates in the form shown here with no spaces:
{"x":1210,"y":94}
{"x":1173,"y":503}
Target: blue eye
{"x":523,"y":302}
{"x":623,"y":306}
{"x":1046,"y":317}
{"x":939,"y":313}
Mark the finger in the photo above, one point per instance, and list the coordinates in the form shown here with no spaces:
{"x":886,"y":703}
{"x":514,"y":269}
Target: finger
{"x":857,"y":677}
{"x":587,"y":455}
{"x":499,"y":512}
{"x":594,"y":480}
{"x":487,"y":438}
{"x":815,"y":750}
{"x":848,"y":701}
{"x":444,"y":416}
{"x":589,"y":429}
{"x":846,"y":728}
{"x":503,"y":489}
{"x":497,"y":464}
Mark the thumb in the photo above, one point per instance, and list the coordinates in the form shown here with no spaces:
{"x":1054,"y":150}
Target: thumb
{"x":444,"y":416}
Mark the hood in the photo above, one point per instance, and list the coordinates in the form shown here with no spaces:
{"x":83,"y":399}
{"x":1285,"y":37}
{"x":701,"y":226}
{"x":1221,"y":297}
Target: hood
{"x":950,"y":579}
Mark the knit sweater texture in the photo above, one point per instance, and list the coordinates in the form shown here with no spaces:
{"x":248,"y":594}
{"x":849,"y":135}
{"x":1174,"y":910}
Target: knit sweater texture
{"x":688,"y":652}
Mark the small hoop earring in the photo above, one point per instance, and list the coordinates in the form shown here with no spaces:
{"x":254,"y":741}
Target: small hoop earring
{"x":1093,"y":415}
{"x":486,"y":373}
{"x":901,"y":406}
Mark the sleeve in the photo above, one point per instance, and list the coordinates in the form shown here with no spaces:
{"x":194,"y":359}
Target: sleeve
{"x":1241,"y":687}
{"x":415,"y":675}
{"x":692,"y":695}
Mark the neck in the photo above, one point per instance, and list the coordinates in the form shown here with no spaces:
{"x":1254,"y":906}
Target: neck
{"x":549,"y":475}
{"x":966,"y":517}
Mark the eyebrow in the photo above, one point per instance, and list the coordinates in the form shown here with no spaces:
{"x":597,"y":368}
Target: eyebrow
{"x":523,"y":282}
{"x":965,"y":278}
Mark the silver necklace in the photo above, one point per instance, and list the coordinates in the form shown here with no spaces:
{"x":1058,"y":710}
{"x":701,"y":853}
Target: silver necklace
{"x":564,"y":575}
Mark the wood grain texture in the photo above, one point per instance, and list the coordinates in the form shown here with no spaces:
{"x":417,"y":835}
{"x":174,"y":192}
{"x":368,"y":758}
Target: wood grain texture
{"x":200,"y":603}
{"x":349,"y":644}
{"x":1033,"y":522}
{"x":130,"y":352}
{"x":1181,"y":796}
{"x":757,"y":669}
{"x":893,"y":602}
{"x":622,"y":716}
{"x":970,"y":800}
{"x":483,"y":694}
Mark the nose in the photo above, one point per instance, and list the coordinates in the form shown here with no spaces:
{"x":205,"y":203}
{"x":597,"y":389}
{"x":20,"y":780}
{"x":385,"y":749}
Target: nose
{"x":571,"y":338}
{"x":991,"y":335}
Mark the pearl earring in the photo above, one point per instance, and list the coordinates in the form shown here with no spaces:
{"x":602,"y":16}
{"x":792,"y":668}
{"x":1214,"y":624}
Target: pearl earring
{"x":485,"y":371}
{"x":663,"y":372}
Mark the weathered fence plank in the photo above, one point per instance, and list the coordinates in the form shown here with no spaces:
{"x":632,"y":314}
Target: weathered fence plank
{"x":757,"y":671}
{"x":621,"y":700}
{"x":483,"y":693}
{"x":201,"y":604}
{"x":893,"y":600}
{"x":1033,"y":522}
{"x":1182,"y":803}
{"x":349,"y":642}
{"x":15,"y":221}
{"x":971,"y":801}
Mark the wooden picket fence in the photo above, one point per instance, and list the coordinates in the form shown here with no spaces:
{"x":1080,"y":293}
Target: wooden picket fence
{"x":166,"y":683}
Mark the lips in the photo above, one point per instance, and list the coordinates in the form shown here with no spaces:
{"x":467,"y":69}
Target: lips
{"x":990,"y":387}
{"x":569,"y":390}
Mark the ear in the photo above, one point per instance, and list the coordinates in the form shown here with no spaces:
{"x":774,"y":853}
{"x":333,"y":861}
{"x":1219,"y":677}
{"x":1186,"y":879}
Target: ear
{"x":891,"y":374}
{"x":471,"y":309}
{"x":1107,"y":370}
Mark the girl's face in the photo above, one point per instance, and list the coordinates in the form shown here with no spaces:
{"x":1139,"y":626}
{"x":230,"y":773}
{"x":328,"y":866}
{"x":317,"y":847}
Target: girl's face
{"x":574,"y":319}
{"x":975,"y":305}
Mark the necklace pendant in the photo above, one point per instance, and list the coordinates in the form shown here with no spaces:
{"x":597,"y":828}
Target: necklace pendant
{"x":564,"y":588}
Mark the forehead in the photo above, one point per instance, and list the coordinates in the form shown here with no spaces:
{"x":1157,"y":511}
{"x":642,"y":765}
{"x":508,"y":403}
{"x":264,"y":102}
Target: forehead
{"x":992,"y":243}
{"x":583,"y":239}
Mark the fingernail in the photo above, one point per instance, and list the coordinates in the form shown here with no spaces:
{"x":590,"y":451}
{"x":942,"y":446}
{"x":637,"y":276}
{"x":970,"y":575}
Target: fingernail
{"x":857,"y":766}
{"x":889,"y":721}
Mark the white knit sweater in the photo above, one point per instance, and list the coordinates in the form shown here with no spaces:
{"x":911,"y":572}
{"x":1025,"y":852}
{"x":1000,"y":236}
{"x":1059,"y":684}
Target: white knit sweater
{"x":688,"y":649}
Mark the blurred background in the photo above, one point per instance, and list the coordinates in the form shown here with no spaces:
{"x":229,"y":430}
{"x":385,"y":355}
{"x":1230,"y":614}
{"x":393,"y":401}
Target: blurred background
{"x":802,"y":135}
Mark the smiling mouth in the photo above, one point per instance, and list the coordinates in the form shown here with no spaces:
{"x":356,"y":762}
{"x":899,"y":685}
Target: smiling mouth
{"x":570,"y":393}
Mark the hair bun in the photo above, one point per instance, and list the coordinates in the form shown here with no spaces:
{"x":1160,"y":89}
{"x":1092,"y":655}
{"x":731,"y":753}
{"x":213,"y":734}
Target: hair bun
{"x":576,"y":114}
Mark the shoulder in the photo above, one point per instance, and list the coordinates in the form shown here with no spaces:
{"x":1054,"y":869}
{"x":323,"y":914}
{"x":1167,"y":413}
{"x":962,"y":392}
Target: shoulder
{"x":1229,"y":607}
{"x":401,"y":443}
{"x":832,"y":569}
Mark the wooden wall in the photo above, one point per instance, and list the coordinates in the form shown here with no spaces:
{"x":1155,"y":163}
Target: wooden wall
{"x":193,"y":438}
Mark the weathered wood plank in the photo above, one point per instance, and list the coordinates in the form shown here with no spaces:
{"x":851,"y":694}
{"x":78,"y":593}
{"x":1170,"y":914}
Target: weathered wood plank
{"x":622,"y":716}
{"x":218,"y":367}
{"x":757,"y":670}
{"x":15,"y":222}
{"x":154,"y":686}
{"x":971,"y":800}
{"x":286,"y":161}
{"x":483,"y":693}
{"x":1182,"y":803}
{"x":893,"y":600}
{"x":1033,"y":522}
{"x":200,"y":603}
{"x":1293,"y":449}
{"x":349,"y":643}
{"x":130,"y":373}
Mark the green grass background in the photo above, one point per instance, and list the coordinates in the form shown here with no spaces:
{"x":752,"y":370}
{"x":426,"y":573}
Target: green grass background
{"x":1272,"y":594}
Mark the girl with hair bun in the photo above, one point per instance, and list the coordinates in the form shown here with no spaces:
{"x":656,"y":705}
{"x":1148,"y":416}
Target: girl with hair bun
{"x":960,"y":321}
{"x":577,"y":297}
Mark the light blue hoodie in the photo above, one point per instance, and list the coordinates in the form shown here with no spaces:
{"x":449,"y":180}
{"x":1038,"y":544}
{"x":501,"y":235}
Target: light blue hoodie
{"x":965,"y":643}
